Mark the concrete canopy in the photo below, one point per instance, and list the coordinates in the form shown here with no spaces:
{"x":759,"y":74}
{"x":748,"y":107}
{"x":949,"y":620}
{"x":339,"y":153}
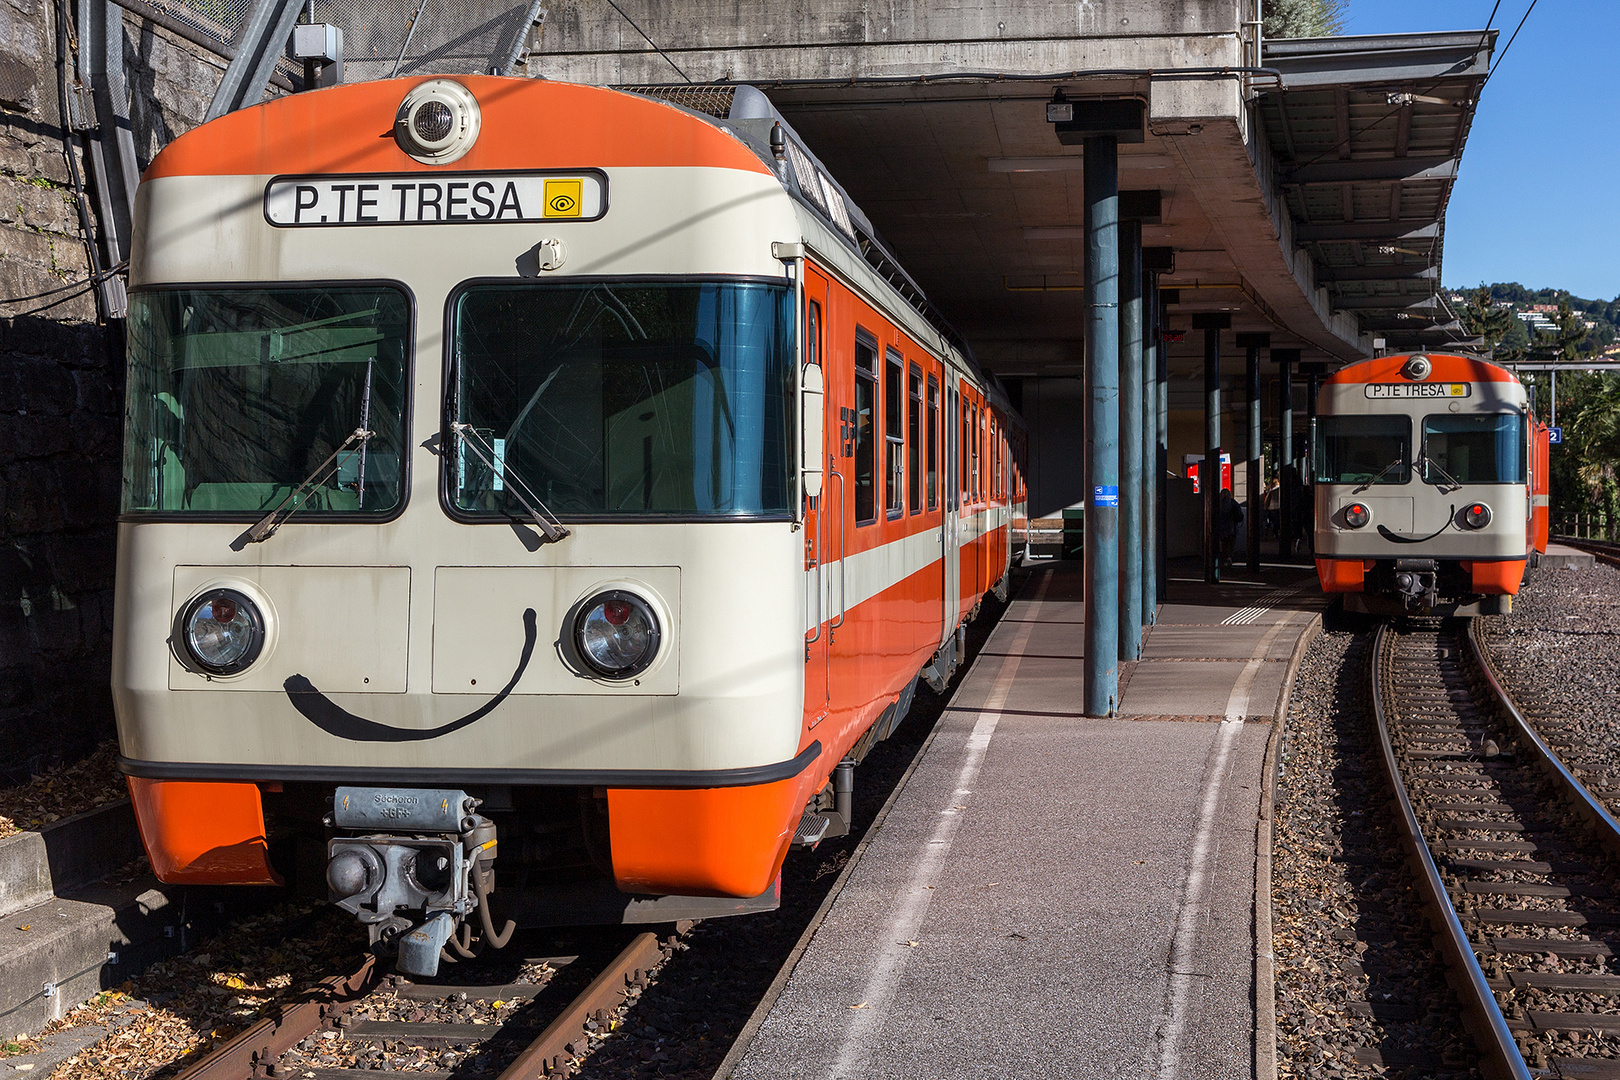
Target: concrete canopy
{"x":933,"y":118}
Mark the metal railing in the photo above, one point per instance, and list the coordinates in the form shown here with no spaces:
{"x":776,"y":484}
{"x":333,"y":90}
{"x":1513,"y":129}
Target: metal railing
{"x":1587,"y":527}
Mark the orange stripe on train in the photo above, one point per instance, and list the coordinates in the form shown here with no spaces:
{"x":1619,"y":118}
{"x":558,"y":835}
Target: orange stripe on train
{"x":525,"y":124}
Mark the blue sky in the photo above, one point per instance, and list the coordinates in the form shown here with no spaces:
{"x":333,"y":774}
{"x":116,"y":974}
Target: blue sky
{"x":1537,"y":199}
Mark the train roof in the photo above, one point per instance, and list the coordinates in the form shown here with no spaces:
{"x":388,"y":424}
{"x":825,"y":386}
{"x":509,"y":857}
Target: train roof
{"x":1443,"y":367}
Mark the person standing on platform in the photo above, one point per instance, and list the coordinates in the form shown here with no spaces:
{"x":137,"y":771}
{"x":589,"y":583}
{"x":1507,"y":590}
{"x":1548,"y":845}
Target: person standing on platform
{"x":1271,"y":503}
{"x":1231,"y":519}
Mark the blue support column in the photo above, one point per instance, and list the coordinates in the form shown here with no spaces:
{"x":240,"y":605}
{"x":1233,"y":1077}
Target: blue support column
{"x":1152,"y":475}
{"x":1155,"y":261}
{"x":1131,"y":501}
{"x":1251,"y":344}
{"x":1101,"y":672}
{"x":1162,"y":451}
{"x":1286,"y":359}
{"x":1209,"y":473}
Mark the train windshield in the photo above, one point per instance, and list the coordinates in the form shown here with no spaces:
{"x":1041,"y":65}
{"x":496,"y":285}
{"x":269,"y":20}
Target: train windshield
{"x":1363,"y":450}
{"x":236,"y":396}
{"x":1474,"y":449}
{"x":623,"y":399}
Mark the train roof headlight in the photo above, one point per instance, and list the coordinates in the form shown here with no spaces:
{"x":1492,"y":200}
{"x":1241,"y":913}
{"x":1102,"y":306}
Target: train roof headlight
{"x":224,"y":631}
{"x":437,"y":122}
{"x":1417,"y":368}
{"x":1356,"y":515}
{"x":1478,"y":515}
{"x":617,"y":634}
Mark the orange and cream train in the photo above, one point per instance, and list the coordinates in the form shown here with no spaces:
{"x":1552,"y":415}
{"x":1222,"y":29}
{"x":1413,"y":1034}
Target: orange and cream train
{"x":521,"y":467}
{"x":1431,"y":485}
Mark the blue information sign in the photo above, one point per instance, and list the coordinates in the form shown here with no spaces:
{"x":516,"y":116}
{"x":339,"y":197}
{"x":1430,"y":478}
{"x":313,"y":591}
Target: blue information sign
{"x":1555,"y":436}
{"x":1105,"y":495}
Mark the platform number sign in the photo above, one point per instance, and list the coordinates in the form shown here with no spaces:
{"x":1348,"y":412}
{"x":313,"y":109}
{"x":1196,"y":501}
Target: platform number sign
{"x":1555,"y":436}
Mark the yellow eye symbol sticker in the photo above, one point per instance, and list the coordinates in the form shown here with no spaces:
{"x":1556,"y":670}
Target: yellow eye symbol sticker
{"x":564,"y":198}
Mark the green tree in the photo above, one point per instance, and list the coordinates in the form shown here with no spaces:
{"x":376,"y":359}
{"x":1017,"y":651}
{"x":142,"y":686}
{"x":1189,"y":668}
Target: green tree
{"x":1302,"y":18}
{"x":1483,"y":319}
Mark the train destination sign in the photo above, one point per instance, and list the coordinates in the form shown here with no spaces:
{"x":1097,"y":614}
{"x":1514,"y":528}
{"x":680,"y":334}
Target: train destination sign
{"x":1420,"y":390}
{"x":434,"y":199}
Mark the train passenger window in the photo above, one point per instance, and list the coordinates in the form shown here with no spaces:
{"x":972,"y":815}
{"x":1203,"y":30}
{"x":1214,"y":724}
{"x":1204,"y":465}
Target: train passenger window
{"x":865,"y":447}
{"x":1363,"y":450}
{"x":894,"y":435}
{"x":623,"y":399}
{"x":239,"y":398}
{"x":933,"y":443}
{"x":1478,"y":449}
{"x":966,"y":451}
{"x":812,"y":331}
{"x":914,"y":442}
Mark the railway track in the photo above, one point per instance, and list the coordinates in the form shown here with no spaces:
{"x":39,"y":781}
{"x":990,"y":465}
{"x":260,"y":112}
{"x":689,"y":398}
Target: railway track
{"x":1601,"y":550}
{"x":1518,"y":859}
{"x":380,"y":1023}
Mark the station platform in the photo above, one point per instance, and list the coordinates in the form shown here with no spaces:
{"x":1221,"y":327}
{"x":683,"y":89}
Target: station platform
{"x":1052,"y":895}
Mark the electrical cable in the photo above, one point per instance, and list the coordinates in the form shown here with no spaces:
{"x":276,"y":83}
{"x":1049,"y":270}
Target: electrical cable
{"x":650,"y":41}
{"x":92,"y":280}
{"x":1503,"y":54}
{"x":65,"y":113}
{"x":1395,"y":111}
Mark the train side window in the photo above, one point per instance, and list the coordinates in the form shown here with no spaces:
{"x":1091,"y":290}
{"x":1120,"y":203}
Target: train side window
{"x":914,"y":442}
{"x":966,"y":451}
{"x":933,"y":443}
{"x":894,"y":436}
{"x":812,"y":334}
{"x":865,"y":479}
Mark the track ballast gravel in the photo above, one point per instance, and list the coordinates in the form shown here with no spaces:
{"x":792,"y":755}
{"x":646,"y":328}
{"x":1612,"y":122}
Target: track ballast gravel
{"x":1360,"y":989}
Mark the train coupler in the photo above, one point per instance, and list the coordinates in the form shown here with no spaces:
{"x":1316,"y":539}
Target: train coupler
{"x":415,"y":884}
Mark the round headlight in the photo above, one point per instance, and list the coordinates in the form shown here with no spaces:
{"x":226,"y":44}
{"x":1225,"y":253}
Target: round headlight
{"x":1417,"y":368}
{"x":1357,"y":515}
{"x":224,"y":631}
{"x":437,"y":121}
{"x":617,"y":634}
{"x":1478,"y":515}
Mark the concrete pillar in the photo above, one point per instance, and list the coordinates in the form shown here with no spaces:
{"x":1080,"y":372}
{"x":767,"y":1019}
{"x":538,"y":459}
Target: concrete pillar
{"x":1252,"y":344}
{"x":1155,"y":261}
{"x":1101,"y":669}
{"x":1162,"y":427}
{"x":1209,"y":475}
{"x":1131,"y":498}
{"x":1313,"y":373}
{"x":1286,"y":359}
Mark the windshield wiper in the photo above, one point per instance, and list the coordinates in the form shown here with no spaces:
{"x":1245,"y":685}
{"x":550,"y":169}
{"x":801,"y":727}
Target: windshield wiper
{"x":1385,"y":471}
{"x":550,"y":528}
{"x":320,"y":474}
{"x":1456,"y":485}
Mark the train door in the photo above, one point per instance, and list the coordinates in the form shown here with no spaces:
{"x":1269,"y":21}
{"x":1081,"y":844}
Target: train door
{"x":822,"y":515}
{"x":950,"y":481}
{"x":968,"y":478}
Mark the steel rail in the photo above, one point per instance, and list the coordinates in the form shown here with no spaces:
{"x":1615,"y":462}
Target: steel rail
{"x":1590,"y":806}
{"x":1487,"y":1023}
{"x":1602,"y":551}
{"x":255,"y":1050}
{"x":563,"y":1039}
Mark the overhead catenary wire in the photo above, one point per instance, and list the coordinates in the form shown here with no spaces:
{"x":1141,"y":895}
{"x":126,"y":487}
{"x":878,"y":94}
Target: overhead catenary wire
{"x":650,"y":41}
{"x":1515,"y":36}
